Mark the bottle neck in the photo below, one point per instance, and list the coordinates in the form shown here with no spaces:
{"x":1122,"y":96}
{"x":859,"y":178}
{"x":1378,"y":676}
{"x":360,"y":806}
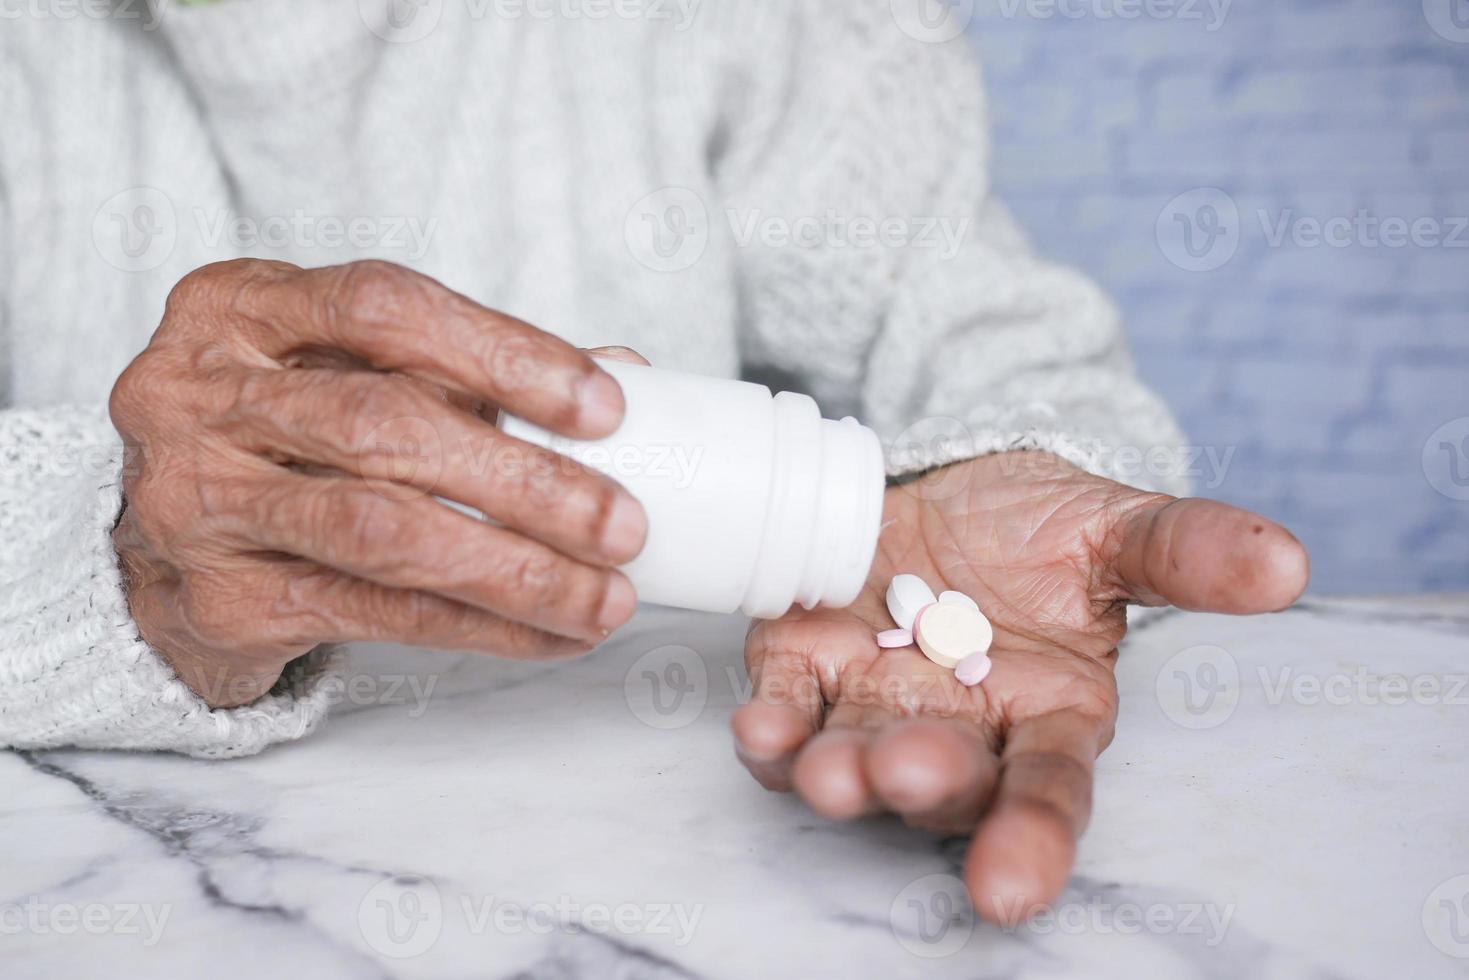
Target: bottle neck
{"x":823,"y":513}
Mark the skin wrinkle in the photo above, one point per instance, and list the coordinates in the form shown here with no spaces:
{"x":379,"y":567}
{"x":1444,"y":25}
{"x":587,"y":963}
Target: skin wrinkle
{"x":1027,"y":548}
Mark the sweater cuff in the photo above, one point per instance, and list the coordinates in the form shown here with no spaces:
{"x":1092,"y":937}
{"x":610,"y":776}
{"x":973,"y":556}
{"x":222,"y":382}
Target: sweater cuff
{"x":939,"y":441}
{"x":73,"y":669}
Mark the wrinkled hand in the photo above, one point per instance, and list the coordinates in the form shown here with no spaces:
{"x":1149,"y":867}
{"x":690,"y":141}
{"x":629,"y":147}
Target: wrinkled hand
{"x":1052,"y":555}
{"x":287,"y":430}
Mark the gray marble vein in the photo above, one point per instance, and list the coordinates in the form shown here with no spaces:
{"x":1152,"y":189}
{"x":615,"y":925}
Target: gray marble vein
{"x":1286,"y":798}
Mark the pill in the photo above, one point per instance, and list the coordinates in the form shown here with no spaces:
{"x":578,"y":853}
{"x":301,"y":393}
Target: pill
{"x":907,"y":594}
{"x":960,"y":598}
{"x":972,"y":670}
{"x":894,"y":639}
{"x":950,"y":632}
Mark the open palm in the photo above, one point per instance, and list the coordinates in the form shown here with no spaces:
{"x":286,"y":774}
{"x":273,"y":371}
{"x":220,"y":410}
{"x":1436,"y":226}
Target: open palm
{"x":1052,"y":555}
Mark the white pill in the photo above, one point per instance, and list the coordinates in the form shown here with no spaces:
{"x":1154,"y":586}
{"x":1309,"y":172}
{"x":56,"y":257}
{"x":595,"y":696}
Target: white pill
{"x":960,"y":598}
{"x":906,"y":595}
{"x":950,"y":632}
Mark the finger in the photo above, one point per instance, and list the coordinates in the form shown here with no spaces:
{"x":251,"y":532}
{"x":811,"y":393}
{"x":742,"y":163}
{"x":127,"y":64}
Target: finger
{"x":396,"y":319}
{"x":312,"y":604}
{"x":1209,"y":556}
{"x":785,"y":708}
{"x":937,"y":773}
{"x":619,"y":353}
{"x":423,"y":545}
{"x":830,"y":771}
{"x":400,"y":434}
{"x":1022,"y":854}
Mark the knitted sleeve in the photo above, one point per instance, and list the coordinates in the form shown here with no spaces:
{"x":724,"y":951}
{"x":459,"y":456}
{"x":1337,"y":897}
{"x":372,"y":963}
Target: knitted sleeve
{"x":73,"y":670}
{"x":879,"y":271}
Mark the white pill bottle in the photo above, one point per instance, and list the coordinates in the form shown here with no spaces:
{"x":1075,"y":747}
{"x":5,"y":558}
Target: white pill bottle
{"x":755,"y":502}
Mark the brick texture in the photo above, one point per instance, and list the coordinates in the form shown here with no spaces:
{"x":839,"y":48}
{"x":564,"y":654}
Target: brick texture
{"x":1310,"y":314}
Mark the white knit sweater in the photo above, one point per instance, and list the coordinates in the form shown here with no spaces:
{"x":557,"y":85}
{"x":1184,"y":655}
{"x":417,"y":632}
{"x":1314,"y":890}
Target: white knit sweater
{"x":789,"y":188}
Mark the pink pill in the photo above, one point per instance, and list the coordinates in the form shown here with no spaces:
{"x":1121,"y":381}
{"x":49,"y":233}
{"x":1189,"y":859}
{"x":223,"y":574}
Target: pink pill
{"x":893,"y":639}
{"x":973,"y":670}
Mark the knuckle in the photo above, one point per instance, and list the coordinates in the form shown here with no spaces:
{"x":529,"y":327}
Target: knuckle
{"x":368,"y":528}
{"x":519,"y":358}
{"x":366,"y":291}
{"x":134,"y":396}
{"x":534,"y":576}
{"x":598,"y":502}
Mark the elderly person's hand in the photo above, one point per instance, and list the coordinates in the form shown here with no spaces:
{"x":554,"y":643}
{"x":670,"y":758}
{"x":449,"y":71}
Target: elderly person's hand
{"x":287,"y":432}
{"x":1053,"y":555}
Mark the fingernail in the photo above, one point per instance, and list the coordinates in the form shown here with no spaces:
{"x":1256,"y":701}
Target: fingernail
{"x":601,"y":404}
{"x":626,"y":530}
{"x":619,"y":605}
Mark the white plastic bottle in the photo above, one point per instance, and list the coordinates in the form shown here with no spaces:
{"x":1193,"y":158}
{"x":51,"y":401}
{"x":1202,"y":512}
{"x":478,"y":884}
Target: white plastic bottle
{"x":754,"y":502}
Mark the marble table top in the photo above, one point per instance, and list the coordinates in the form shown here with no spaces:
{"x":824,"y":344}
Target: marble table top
{"x":1287,"y":796}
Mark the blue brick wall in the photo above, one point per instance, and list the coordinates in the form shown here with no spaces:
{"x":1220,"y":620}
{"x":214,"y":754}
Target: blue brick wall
{"x":1337,"y":373}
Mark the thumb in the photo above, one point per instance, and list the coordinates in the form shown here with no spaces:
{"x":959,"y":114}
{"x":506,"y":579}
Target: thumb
{"x":1207,"y":556}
